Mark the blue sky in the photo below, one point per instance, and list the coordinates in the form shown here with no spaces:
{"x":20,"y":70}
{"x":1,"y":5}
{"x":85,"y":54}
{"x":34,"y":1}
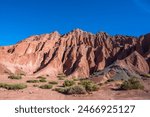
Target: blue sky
{"x":22,"y":18}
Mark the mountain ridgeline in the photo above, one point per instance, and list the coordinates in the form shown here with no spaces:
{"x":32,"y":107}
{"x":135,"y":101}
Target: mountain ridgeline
{"x":78,"y":53}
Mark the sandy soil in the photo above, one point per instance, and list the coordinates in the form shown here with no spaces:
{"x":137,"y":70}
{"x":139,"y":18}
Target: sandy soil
{"x":106,"y":92}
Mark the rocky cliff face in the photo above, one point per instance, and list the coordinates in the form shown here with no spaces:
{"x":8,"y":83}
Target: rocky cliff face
{"x":77,"y":53}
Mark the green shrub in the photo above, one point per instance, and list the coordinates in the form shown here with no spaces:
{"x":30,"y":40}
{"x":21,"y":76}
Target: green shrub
{"x":83,"y":87}
{"x":53,"y":82}
{"x":32,"y":81}
{"x":42,"y":80}
{"x":132,"y":83}
{"x":41,"y":77}
{"x":146,"y":75}
{"x":76,"y":89}
{"x":68,"y":83}
{"x":64,"y":90}
{"x":75,"y":79}
{"x":46,"y":86}
{"x":83,"y":78}
{"x":89,"y":85}
{"x":22,"y":74}
{"x":17,"y":77}
{"x":13,"y":86}
{"x":61,"y":76}
{"x":2,"y":85}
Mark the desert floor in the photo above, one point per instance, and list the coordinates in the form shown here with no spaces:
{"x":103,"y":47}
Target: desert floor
{"x":106,"y":92}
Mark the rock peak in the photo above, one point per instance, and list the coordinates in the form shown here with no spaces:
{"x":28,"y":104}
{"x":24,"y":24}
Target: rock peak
{"x":55,"y":33}
{"x":77,"y":30}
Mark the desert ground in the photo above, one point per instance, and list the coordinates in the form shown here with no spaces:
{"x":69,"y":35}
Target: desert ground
{"x":107,"y":91}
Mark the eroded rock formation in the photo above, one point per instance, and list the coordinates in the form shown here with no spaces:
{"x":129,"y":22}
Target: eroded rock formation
{"x":77,"y":53}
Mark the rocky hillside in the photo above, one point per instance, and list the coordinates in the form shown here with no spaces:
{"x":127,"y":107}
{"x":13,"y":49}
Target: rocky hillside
{"x":78,"y":53}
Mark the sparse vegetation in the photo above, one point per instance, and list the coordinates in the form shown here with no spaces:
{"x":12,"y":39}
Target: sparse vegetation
{"x":75,"y":79}
{"x":41,"y":77}
{"x":32,"y":81}
{"x":68,"y":83}
{"x":13,"y":86}
{"x":132,"y":83}
{"x":61,"y":76}
{"x":81,"y":78}
{"x":42,"y":80}
{"x":22,"y":74}
{"x":146,"y":75}
{"x":16,"y":77}
{"x":53,"y":82}
{"x":46,"y":86}
{"x":89,"y":85}
{"x":76,"y":89}
{"x":84,"y":86}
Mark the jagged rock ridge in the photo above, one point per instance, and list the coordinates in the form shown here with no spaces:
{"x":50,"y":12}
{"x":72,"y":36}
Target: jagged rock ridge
{"x":77,"y":53}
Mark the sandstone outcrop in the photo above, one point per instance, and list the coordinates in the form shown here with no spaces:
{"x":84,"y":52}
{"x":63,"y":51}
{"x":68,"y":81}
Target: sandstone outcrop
{"x":77,"y":53}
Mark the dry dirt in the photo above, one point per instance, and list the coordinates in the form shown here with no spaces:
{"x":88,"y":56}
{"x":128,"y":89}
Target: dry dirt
{"x":106,"y":92}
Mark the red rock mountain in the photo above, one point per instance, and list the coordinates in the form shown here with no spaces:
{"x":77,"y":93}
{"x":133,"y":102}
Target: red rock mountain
{"x":77,"y":53}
